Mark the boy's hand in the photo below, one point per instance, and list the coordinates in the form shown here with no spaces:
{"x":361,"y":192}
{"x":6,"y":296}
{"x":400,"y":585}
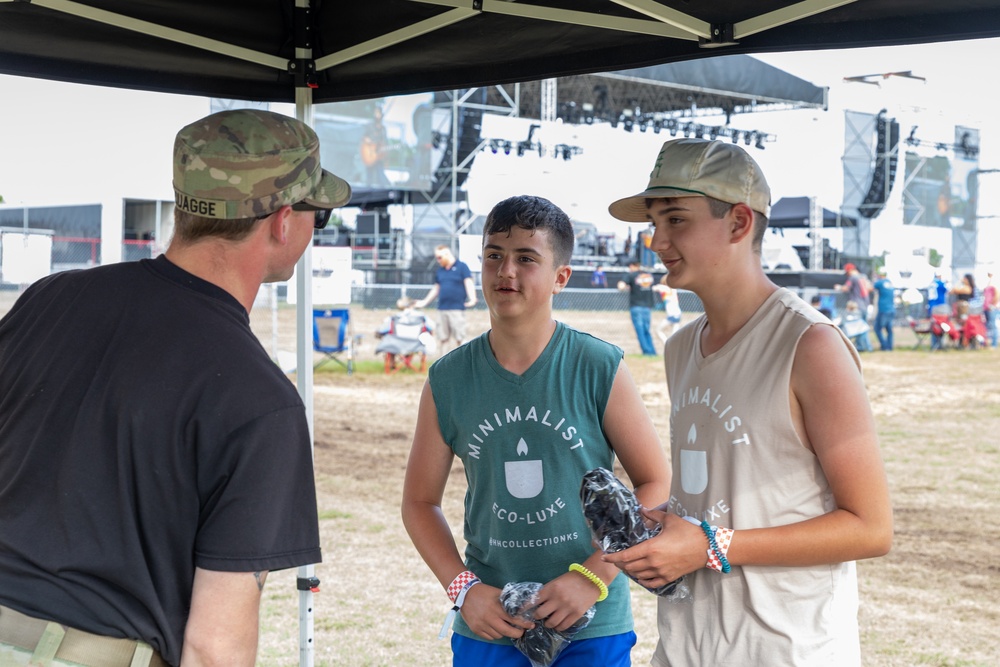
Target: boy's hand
{"x":680,"y":548}
{"x":562,"y":601}
{"x":485,"y":616}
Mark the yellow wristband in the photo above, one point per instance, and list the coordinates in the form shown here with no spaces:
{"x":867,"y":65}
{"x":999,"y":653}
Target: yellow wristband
{"x":594,"y":579}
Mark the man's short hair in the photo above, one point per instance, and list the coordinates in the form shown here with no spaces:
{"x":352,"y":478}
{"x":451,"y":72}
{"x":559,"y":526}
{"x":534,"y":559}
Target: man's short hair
{"x":189,"y":227}
{"x":534,"y":213}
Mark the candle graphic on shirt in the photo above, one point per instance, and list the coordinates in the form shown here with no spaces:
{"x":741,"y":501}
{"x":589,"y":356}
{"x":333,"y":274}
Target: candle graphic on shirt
{"x":524,"y":477}
{"x":694,"y":466}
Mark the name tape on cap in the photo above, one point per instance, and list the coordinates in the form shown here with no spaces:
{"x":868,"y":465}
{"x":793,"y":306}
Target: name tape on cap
{"x":208,"y":208}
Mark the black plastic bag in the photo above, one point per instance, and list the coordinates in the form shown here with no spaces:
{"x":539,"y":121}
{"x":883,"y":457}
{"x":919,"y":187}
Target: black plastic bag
{"x":541,"y":645}
{"x":612,"y":511}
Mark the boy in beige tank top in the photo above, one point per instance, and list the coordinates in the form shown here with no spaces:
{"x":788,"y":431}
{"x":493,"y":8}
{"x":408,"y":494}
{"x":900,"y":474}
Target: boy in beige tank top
{"x":778,"y":484}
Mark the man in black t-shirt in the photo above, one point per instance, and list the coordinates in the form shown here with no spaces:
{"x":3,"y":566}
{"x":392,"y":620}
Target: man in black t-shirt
{"x":639,"y":285}
{"x":155,"y":464}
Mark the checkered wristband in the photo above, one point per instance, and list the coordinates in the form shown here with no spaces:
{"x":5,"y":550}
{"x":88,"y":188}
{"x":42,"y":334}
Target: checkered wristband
{"x":719,"y":539}
{"x":461,"y":582}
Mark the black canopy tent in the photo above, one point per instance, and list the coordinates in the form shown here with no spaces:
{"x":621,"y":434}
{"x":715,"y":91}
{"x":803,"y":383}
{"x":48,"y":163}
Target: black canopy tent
{"x":313,"y":51}
{"x":794,"y":212}
{"x":254,"y":49}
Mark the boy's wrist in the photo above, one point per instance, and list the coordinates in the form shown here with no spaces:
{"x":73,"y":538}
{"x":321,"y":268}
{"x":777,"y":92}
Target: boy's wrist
{"x":461,"y":583}
{"x":592,"y":578}
{"x":719,"y":539}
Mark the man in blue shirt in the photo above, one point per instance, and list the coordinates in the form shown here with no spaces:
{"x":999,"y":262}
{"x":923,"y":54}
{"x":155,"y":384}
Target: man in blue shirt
{"x":455,"y":291}
{"x":885,"y":292}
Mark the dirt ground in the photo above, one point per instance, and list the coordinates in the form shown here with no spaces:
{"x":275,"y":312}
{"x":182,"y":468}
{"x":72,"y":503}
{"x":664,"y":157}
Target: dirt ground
{"x":934,"y":600}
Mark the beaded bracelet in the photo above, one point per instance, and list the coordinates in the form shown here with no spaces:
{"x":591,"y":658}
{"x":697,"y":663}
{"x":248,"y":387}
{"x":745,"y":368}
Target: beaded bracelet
{"x":594,"y":579}
{"x":719,"y":539}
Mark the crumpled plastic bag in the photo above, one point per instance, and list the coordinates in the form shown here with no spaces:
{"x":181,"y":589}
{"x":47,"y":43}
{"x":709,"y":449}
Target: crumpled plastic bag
{"x":612,"y":511}
{"x":541,"y":645}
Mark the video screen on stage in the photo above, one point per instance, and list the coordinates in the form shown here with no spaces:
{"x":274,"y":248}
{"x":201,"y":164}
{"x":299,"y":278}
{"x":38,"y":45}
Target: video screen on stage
{"x":941,"y":190}
{"x":384,"y":143}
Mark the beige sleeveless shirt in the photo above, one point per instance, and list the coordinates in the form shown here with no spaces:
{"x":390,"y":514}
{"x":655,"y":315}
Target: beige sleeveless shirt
{"x":739,"y":462}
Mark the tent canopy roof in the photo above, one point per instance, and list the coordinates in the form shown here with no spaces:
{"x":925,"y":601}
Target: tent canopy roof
{"x":246,"y":49}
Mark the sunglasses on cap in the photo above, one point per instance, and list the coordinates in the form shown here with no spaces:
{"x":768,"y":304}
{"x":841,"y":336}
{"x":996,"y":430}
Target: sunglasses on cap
{"x":322,"y":214}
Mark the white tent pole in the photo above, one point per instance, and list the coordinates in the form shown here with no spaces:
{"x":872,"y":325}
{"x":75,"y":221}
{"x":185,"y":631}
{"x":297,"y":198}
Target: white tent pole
{"x":306,"y":581}
{"x":304,"y":378}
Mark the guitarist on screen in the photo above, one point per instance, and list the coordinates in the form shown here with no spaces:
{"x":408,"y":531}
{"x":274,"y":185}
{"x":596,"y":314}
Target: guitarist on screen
{"x":373,"y":151}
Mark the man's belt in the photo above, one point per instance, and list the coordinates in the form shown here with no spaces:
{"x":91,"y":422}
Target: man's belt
{"x":51,"y":641}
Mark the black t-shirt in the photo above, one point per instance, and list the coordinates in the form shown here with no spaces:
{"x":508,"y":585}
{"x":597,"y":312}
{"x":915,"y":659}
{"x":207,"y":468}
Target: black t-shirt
{"x":143,"y":432}
{"x":640,"y":285}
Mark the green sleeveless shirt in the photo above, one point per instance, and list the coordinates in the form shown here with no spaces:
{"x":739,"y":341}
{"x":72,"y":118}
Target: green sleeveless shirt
{"x":526,"y":442}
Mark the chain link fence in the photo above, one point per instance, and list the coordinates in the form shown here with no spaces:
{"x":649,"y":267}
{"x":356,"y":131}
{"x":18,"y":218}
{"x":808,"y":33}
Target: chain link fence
{"x":601,"y":312}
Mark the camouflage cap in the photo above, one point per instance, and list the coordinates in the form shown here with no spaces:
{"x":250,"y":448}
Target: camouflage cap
{"x":248,"y":163}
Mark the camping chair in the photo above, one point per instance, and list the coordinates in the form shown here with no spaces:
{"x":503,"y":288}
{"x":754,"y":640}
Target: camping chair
{"x":921,"y":329}
{"x":402,"y":340}
{"x":332,"y":336}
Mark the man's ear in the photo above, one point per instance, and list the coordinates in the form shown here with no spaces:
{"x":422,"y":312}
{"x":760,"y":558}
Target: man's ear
{"x":562,"y":278}
{"x":741,"y":218}
{"x":279,"y":222}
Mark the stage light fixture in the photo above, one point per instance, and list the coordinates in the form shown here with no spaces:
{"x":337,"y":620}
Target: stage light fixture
{"x":747,"y":137}
{"x":506,"y":148}
{"x":760,"y":141}
{"x":735,"y":135}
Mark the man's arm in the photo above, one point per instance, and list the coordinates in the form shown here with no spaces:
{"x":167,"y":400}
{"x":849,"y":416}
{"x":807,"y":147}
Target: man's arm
{"x":222,"y":627}
{"x":431,"y":295}
{"x":470,"y":292}
{"x":427,"y":473}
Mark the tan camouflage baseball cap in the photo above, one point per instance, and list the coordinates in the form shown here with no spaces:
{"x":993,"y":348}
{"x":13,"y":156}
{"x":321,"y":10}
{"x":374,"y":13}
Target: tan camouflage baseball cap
{"x":248,"y":163}
{"x":699,"y":168}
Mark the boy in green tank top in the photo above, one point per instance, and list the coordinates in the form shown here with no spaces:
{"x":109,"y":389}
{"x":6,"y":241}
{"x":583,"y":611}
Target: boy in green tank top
{"x":529,"y":407}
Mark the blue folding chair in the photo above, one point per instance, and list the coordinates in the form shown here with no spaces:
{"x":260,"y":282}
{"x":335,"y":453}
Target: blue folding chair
{"x":332,"y":336}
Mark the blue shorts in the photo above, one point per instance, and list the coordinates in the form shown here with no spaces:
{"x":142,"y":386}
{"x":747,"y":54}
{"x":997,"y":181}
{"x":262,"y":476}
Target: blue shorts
{"x":611,"y":651}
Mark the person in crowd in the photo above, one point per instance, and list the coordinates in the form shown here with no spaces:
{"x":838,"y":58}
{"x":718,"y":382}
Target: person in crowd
{"x":937,"y":293}
{"x":778,"y":483}
{"x":885,"y":309}
{"x":598,"y":278}
{"x":155,"y":463}
{"x":856,"y":287}
{"x":671,"y":309}
{"x":547,"y":405}
{"x":991,"y":309}
{"x":965,"y":290}
{"x":817,"y":303}
{"x":639,"y":285}
{"x":856,"y":327}
{"x":455,"y":291}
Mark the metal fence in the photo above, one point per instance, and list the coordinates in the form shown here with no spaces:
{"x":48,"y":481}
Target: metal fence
{"x":602,"y":312}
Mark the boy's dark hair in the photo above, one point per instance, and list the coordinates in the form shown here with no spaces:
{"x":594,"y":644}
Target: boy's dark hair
{"x":534,"y":213}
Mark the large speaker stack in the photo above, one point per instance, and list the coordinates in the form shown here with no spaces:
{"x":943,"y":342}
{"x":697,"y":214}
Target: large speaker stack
{"x":884,"y":171}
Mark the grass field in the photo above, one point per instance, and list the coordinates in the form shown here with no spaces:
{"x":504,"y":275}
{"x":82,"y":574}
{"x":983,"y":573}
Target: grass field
{"x":934,"y":600}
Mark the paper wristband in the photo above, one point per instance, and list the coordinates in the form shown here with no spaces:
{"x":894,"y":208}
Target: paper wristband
{"x":460,"y":582}
{"x":453,"y":612}
{"x":719,"y":539}
{"x":717,"y":555}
